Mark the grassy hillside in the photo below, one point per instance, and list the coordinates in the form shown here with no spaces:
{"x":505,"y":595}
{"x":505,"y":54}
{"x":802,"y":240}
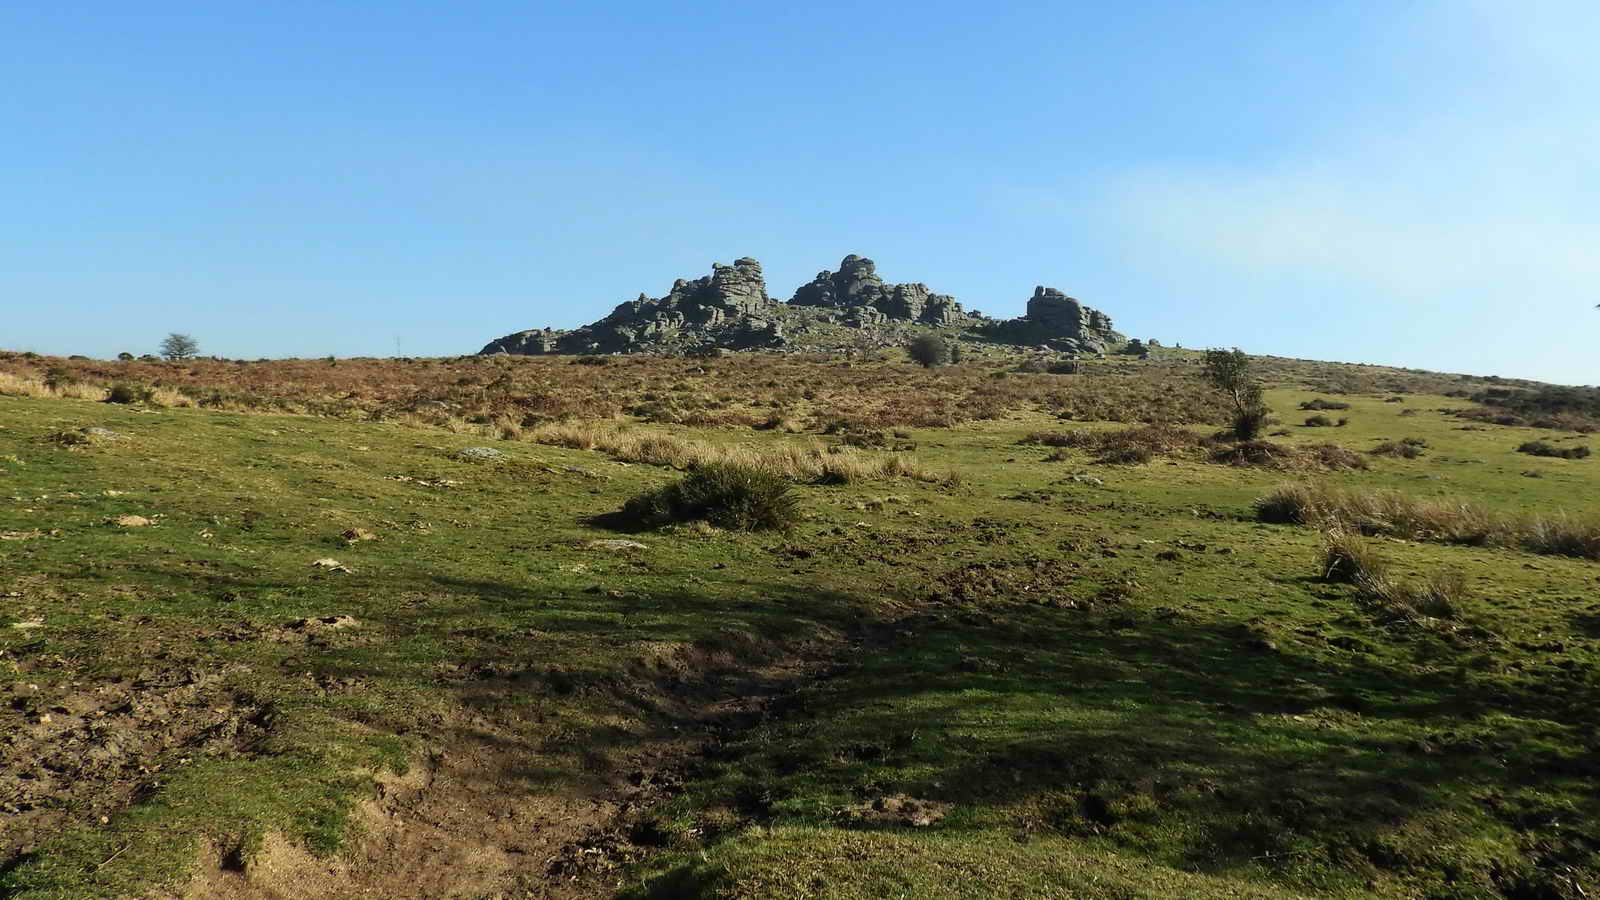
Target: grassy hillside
{"x":250,"y":651}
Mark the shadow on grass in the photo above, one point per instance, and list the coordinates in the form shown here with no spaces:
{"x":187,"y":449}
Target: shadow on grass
{"x":1193,"y":744}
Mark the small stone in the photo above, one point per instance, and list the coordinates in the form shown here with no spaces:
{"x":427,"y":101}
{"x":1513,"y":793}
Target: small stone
{"x":133,"y":521}
{"x":479,"y":453}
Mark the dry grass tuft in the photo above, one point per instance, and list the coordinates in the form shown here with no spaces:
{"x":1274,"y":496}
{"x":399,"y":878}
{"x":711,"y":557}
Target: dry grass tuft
{"x":1393,"y":514}
{"x":1268,"y":455}
{"x":23,"y":386}
{"x":809,"y":461}
{"x":1347,"y":559}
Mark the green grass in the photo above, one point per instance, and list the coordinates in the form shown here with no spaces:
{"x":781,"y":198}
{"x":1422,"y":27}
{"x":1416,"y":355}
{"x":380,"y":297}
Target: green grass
{"x":1109,"y":679}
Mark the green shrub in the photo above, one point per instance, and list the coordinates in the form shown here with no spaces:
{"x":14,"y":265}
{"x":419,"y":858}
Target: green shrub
{"x":1318,"y":421}
{"x":928,"y":350}
{"x":727,"y":495}
{"x":1248,"y":422}
{"x":1319,"y":403}
{"x":123,"y":392}
{"x":1540,"y":448}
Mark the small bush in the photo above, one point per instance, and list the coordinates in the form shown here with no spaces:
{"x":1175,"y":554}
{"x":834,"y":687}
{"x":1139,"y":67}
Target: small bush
{"x":123,"y":392}
{"x":727,"y":495}
{"x":928,"y":350}
{"x":1318,"y":421}
{"x":1541,"y":448}
{"x":1395,"y":400}
{"x":1247,"y":423}
{"x":1319,"y":403}
{"x":1408,"y":412}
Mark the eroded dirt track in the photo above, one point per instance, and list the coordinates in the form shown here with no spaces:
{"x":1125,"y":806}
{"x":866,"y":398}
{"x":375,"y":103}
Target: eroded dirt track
{"x":463,"y":822}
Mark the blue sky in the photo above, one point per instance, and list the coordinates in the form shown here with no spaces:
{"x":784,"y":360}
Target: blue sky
{"x":1400,"y":182}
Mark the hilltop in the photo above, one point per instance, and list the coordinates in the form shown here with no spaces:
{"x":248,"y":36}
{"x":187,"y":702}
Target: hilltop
{"x":851,"y":307}
{"x":1035,"y":628}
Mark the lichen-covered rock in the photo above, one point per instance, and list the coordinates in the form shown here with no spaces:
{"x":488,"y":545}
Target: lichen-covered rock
{"x":714,"y":310}
{"x":731,"y":310}
{"x":1058,"y":322}
{"x":857,"y":287}
{"x":526,"y":343}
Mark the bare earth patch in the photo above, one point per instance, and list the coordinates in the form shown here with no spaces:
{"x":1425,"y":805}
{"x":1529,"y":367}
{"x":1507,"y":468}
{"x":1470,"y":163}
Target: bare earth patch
{"x":464,"y":823}
{"x":75,"y":755}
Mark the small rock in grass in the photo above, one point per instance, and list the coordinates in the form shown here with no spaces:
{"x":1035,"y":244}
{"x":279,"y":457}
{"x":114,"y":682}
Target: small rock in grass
{"x":479,"y":453}
{"x":332,"y":565}
{"x":133,"y":521}
{"x":357,"y":535}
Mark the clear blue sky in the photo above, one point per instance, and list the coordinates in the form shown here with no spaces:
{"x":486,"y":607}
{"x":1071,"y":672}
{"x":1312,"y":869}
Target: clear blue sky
{"x":1401,"y":182}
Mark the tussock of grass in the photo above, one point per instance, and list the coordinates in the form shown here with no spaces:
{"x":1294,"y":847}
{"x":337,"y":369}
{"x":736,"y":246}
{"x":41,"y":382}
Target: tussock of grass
{"x":726,"y":495}
{"x":1393,"y":514}
{"x":1347,"y":559}
{"x":1563,"y":534}
{"x":809,"y":461}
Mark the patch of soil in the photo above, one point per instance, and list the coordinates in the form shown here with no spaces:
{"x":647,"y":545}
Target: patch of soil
{"x":309,"y":630}
{"x":73,"y":755}
{"x":898,"y":809}
{"x":1031,"y":580}
{"x":475,"y":819}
